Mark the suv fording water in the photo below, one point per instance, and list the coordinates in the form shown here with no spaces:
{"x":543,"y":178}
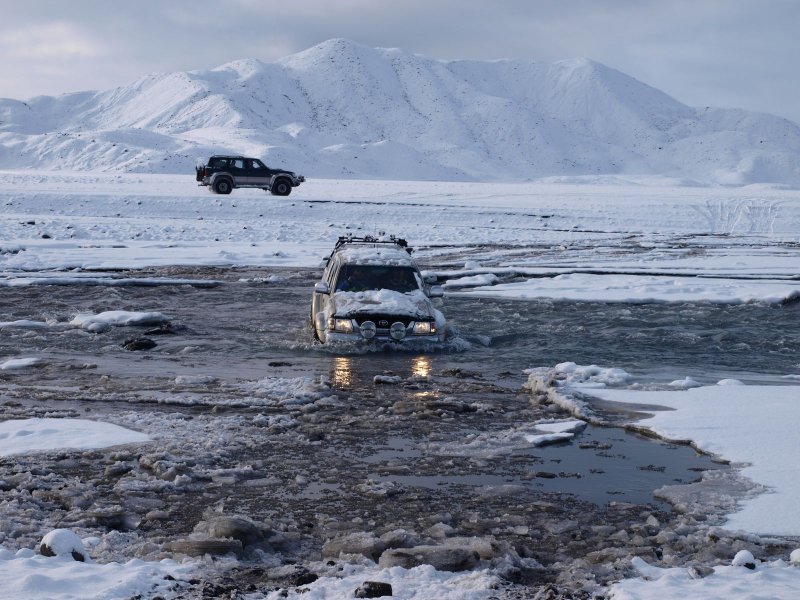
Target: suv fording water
{"x":224,"y":173}
{"x":373,"y":290}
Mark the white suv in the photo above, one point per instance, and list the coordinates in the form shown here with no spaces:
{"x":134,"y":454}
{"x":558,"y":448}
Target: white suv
{"x":372,"y":290}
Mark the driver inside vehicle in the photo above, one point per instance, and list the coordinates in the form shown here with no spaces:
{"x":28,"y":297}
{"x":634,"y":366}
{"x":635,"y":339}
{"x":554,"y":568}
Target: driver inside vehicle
{"x":354,"y":280}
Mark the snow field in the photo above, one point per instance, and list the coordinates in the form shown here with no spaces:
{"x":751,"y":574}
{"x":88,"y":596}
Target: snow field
{"x":635,"y":242}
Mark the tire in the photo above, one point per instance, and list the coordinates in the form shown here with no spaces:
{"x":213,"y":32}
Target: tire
{"x":314,"y":327}
{"x":282,"y":187}
{"x":223,"y":186}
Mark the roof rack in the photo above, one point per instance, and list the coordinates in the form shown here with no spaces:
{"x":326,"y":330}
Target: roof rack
{"x":371,"y":239}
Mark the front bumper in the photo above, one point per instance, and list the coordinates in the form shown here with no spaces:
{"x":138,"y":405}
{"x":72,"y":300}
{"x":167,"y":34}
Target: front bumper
{"x":336,"y":337}
{"x":401,"y":332}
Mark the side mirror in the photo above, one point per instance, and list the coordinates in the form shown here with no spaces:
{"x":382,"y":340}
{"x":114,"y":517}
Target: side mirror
{"x":436,"y":291}
{"x":321,"y":288}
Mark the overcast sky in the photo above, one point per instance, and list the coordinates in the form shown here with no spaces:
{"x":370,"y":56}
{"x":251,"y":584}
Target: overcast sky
{"x":725,"y":53}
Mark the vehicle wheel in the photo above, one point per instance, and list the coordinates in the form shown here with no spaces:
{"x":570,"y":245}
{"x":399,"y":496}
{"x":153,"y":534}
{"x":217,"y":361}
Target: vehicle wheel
{"x":318,"y":325}
{"x":282,"y":187}
{"x":314,"y":328}
{"x":223,"y":186}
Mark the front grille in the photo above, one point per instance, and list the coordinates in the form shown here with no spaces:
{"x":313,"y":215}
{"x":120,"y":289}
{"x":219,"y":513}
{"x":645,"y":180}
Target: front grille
{"x":389,"y":319}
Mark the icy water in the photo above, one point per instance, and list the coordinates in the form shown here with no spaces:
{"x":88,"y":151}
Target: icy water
{"x":249,"y":324}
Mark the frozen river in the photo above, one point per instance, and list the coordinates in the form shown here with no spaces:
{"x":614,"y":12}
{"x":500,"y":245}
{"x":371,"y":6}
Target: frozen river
{"x":232,"y":327}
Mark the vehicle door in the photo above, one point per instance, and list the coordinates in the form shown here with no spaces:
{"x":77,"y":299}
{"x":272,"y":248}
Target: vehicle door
{"x":239,"y":172}
{"x":321,"y":301}
{"x":259,"y":173}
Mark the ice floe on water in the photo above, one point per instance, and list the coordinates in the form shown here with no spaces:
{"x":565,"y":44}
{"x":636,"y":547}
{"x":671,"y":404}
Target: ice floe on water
{"x":93,"y":322}
{"x":293,"y":391}
{"x":23,"y":324}
{"x":685,"y":384}
{"x":116,"y":318}
{"x":494,"y":443}
{"x":266,"y":392}
{"x":471,"y":281}
{"x":21,"y":436}
{"x":20,"y":363}
{"x":591,"y":375}
{"x":14,"y":279}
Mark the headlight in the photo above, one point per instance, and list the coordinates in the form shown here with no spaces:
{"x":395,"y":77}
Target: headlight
{"x":342,"y":325}
{"x":424,"y":328}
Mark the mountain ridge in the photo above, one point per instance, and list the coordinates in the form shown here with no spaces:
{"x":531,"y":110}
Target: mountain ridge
{"x":343,"y":109}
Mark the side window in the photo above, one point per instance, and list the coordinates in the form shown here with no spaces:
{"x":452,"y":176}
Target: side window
{"x":238,"y":164}
{"x":332,"y":273}
{"x":257,"y":164}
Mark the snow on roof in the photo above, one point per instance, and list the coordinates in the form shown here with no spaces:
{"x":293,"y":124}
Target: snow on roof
{"x":375,"y":254}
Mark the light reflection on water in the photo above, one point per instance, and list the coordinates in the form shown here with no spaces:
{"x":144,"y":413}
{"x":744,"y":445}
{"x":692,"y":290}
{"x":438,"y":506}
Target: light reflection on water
{"x":421,"y":367}
{"x":347,"y":372}
{"x":342,"y":375}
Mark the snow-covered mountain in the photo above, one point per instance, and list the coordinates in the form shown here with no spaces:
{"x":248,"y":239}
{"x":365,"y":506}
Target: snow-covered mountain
{"x":341,"y":109}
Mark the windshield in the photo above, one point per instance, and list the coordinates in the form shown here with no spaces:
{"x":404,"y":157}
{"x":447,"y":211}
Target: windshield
{"x":359,"y":278}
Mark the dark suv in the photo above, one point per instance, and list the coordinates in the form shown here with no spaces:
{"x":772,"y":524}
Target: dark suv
{"x":223,"y":173}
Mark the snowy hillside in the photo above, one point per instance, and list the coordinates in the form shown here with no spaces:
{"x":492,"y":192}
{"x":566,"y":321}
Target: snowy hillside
{"x":341,"y":109}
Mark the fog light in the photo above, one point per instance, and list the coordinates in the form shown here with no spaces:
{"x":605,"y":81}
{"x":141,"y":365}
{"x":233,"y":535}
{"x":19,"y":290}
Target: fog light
{"x":368,"y":330}
{"x":397,"y":331}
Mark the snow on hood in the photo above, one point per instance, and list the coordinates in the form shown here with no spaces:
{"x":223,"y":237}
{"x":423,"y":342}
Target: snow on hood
{"x":412,"y":304}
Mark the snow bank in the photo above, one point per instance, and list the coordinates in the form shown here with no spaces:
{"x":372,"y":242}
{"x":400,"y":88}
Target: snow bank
{"x":420,"y":583}
{"x":26,"y":575}
{"x":642,"y":289}
{"x":753,"y":426}
{"x":775,"y":580}
{"x":718,"y":419}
